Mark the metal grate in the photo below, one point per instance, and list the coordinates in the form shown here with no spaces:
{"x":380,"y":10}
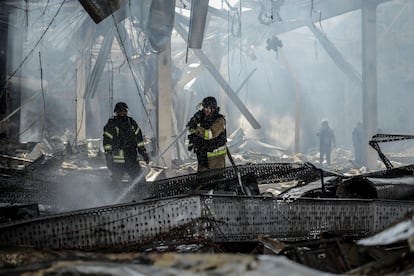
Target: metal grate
{"x":213,"y":218}
{"x":226,"y":179}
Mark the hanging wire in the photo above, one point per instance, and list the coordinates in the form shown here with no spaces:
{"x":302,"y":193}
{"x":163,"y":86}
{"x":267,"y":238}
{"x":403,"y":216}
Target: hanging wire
{"x":31,"y":51}
{"x":43,"y":98}
{"x":27,"y":13}
{"x":47,"y":5}
{"x":25,"y":130}
{"x":111,"y":86}
{"x":128,"y":60}
{"x":233,"y":15}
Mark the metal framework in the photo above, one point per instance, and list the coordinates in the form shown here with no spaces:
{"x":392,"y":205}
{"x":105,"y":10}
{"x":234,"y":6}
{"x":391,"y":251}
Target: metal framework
{"x":204,"y":217}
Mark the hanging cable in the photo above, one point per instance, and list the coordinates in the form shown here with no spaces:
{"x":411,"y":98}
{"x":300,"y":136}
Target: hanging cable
{"x":43,"y":97}
{"x":135,"y":80}
{"x":111,"y":86}
{"x":31,"y":51}
{"x":132,"y":72}
{"x":44,"y":10}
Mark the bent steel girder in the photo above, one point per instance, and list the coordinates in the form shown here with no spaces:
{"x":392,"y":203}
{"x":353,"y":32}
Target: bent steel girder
{"x":336,"y":56}
{"x":204,"y":217}
{"x":103,"y":56}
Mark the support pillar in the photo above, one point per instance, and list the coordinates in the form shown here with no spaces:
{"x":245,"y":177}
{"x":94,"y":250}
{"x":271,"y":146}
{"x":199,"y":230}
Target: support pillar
{"x":165,"y":131}
{"x":369,"y":78}
{"x":80,"y":102}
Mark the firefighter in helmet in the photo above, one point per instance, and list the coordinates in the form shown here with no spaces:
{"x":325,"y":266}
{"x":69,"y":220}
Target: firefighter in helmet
{"x":208,"y":136}
{"x":122,"y":139}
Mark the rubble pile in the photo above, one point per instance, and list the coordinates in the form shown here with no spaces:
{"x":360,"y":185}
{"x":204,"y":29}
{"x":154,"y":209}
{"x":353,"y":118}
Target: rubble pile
{"x":77,"y":181}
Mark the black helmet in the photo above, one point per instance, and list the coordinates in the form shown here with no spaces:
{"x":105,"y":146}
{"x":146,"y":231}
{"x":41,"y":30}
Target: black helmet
{"x":209,"y":102}
{"x":121,"y":107}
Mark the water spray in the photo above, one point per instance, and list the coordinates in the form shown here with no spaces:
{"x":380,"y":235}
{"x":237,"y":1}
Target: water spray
{"x":147,"y":169}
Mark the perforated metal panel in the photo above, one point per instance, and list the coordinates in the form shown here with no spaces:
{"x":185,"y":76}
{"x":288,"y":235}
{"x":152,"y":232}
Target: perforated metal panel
{"x":115,"y":226}
{"x":227,"y":178}
{"x":215,"y":218}
{"x":245,"y":219}
{"x":239,"y":219}
{"x":46,"y":189}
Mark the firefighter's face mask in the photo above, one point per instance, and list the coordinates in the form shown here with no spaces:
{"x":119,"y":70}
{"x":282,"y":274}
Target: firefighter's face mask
{"x":207,"y":110}
{"x":122,"y":113}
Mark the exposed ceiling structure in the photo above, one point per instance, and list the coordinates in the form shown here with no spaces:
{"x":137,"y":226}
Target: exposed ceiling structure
{"x":277,"y":67}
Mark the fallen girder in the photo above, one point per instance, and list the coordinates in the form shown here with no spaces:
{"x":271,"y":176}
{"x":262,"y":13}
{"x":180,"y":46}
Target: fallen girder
{"x":44,"y":189}
{"x":215,"y":218}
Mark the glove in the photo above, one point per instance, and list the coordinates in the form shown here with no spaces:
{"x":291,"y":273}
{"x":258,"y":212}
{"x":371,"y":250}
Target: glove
{"x":191,"y":141}
{"x":194,"y":142}
{"x":191,"y":125}
{"x":198,"y":116}
{"x":146,"y":157}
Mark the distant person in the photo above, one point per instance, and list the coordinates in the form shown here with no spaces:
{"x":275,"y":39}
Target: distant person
{"x":122,"y":138}
{"x":208,"y":136}
{"x":326,"y":143}
{"x":358,"y":140}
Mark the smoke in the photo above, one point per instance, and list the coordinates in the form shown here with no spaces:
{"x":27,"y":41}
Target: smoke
{"x":79,"y":189}
{"x":303,"y":85}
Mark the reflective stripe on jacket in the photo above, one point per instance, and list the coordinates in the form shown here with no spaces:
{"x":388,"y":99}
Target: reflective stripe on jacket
{"x":118,"y":157}
{"x":213,"y":131}
{"x":219,"y":151}
{"x":122,"y":138}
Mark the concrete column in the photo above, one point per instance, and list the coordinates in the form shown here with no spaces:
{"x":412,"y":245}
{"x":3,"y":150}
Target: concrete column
{"x":165,"y":130}
{"x":80,"y":101}
{"x":369,"y":78}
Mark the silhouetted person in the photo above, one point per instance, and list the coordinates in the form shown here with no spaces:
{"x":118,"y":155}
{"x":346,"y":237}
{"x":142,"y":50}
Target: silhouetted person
{"x":122,"y":139}
{"x":326,"y":142}
{"x":357,"y":140}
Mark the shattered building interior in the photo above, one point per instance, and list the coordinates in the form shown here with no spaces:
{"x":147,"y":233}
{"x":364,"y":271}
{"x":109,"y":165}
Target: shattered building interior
{"x":278,"y":69}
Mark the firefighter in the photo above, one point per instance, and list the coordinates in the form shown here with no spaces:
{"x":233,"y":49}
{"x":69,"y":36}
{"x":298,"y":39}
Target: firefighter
{"x":208,"y":136}
{"x":122,"y":138}
{"x":326,"y":142}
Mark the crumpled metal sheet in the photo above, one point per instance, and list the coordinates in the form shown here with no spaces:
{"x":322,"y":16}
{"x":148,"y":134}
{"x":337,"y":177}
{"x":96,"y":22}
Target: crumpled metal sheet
{"x":397,"y":183}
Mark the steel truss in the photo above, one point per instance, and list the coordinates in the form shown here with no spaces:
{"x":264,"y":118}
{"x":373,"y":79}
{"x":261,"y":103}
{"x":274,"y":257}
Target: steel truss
{"x":214,"y":218}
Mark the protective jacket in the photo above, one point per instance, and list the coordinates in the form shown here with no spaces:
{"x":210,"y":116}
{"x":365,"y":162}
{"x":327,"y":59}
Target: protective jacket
{"x":208,"y":137}
{"x":122,"y":138}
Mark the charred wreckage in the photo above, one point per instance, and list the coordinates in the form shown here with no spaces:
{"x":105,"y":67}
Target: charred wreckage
{"x":313,"y":222}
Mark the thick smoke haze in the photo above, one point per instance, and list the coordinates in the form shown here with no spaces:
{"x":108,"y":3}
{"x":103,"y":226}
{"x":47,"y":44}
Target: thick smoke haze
{"x":54,"y":47}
